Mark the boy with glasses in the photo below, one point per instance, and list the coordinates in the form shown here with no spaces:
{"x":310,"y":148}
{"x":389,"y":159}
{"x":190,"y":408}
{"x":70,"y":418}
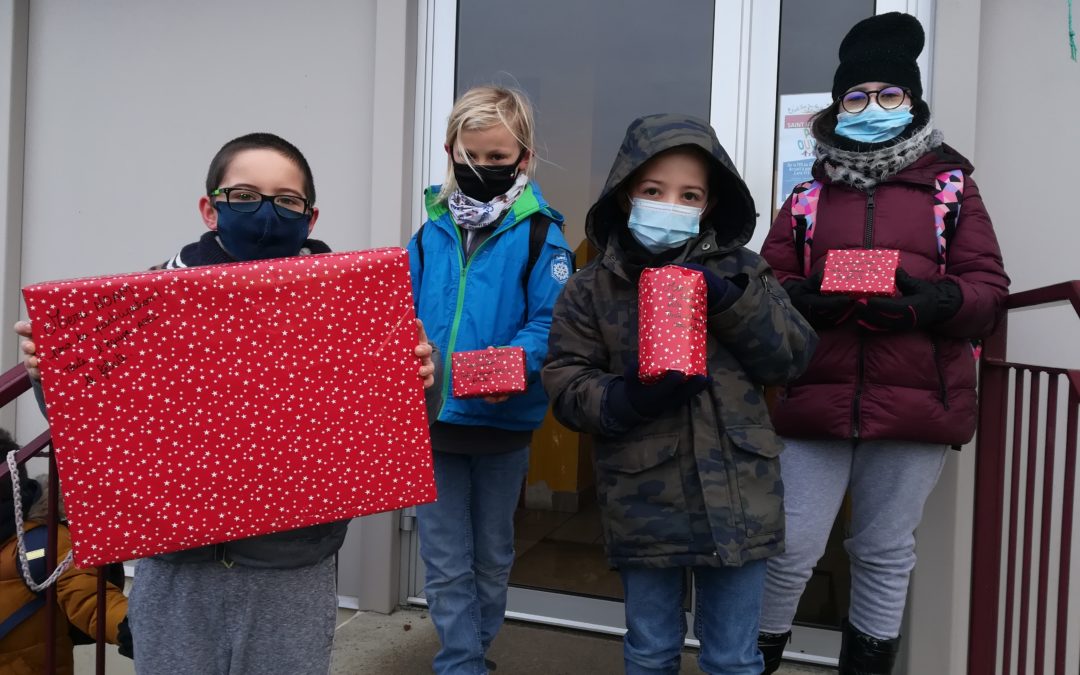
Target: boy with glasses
{"x":268,"y":604}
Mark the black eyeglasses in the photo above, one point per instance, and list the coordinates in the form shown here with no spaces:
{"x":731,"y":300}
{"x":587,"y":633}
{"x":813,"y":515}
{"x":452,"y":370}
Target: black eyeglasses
{"x":246,"y":200}
{"x":888,"y":98}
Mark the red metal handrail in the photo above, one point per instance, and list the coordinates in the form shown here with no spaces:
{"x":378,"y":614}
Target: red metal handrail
{"x":13,"y":383}
{"x":988,"y":629}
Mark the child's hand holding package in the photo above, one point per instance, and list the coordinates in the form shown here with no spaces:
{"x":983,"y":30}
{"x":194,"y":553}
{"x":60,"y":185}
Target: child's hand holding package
{"x":629,"y":400}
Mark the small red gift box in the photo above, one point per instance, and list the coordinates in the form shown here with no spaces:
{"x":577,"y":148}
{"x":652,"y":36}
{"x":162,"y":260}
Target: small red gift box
{"x":672,"y":305}
{"x":202,"y":405}
{"x":861,"y":272}
{"x":488,"y":372}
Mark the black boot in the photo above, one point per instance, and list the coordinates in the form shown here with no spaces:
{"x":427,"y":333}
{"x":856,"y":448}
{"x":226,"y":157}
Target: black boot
{"x":862,"y":654}
{"x":771,"y":646}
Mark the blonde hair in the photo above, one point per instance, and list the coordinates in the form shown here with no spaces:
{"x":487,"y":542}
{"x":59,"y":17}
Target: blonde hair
{"x":482,"y":108}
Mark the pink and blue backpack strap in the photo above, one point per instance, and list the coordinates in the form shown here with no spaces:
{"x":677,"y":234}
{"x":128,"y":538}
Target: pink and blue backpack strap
{"x":948,"y":195}
{"x":804,"y":202}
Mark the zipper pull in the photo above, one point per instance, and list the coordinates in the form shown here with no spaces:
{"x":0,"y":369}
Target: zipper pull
{"x":768,"y":289}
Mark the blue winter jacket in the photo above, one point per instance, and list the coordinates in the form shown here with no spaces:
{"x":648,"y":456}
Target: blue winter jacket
{"x":487,"y":303}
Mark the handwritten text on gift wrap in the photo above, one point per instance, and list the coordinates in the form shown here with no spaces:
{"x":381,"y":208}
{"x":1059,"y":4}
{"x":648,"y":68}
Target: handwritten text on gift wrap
{"x":97,"y":325}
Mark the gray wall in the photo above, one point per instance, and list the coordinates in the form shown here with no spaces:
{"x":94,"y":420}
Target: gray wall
{"x":1028,"y":145}
{"x":13,"y":22}
{"x":994,"y":60}
{"x":127,"y":101}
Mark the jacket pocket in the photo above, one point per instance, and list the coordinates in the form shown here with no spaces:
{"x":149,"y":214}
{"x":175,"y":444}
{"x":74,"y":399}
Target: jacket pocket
{"x":640,"y":492}
{"x":760,"y":498}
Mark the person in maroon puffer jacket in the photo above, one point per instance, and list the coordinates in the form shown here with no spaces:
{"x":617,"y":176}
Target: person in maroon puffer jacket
{"x":892,"y":383}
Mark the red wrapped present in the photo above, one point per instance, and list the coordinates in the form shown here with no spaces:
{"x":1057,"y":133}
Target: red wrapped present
{"x":861,"y":272}
{"x":196,"y":406}
{"x":672,"y":306}
{"x":488,"y":372}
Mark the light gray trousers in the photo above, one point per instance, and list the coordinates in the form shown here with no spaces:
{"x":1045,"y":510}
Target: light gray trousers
{"x":889,"y":483}
{"x":207,"y":619}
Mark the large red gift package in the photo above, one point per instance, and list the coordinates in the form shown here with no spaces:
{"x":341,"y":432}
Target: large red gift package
{"x":860,"y":271}
{"x":488,"y":372}
{"x":202,"y":405}
{"x":672,"y":305}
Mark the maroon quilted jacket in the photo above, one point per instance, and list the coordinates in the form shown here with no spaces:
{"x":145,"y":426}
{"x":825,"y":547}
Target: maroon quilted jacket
{"x":912,"y":385}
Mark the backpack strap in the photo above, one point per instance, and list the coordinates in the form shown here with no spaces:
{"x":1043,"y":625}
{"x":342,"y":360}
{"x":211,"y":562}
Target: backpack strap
{"x":34,"y":540}
{"x":539,"y":223}
{"x":21,"y":614}
{"x":420,"y":247}
{"x":804,"y":201}
{"x":948,"y":196}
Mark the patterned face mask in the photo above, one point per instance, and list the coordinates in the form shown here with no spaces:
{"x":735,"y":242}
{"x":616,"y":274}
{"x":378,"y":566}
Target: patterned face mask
{"x":473,"y":214}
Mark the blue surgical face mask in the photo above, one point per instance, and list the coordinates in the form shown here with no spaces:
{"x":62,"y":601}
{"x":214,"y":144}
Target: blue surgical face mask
{"x":260,"y":234}
{"x":874,"y":124}
{"x":660,"y":226}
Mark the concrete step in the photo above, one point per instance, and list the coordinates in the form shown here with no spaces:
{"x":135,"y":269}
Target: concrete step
{"x":405,"y":642}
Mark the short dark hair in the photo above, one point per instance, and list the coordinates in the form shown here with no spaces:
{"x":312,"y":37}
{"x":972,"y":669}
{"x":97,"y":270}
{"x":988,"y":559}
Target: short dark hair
{"x":258,"y":141}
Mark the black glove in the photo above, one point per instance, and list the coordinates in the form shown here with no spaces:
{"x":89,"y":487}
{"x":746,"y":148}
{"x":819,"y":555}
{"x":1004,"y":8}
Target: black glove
{"x":723,"y":292}
{"x":822,"y":311}
{"x":921,"y":304}
{"x":629,"y":399}
{"x":123,"y":639}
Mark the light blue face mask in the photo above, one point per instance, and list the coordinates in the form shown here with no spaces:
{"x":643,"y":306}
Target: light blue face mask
{"x":660,"y":226}
{"x":874,"y":124}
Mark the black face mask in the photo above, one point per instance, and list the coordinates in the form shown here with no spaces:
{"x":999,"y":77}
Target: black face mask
{"x":492,"y":181}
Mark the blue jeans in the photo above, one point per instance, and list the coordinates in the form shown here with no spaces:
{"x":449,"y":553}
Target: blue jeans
{"x":467,"y":544}
{"x":725,"y":618}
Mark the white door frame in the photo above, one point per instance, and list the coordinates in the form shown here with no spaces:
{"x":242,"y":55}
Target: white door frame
{"x":746,"y":36}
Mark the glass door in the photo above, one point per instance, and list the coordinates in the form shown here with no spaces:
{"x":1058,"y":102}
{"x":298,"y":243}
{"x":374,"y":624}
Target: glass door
{"x":589,"y":69}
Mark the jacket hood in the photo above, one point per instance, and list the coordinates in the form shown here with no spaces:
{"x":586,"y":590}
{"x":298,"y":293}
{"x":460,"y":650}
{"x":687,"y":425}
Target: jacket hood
{"x":731,"y":220}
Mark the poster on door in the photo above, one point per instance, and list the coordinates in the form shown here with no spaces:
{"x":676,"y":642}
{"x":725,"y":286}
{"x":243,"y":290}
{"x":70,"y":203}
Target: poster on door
{"x":795,"y":144}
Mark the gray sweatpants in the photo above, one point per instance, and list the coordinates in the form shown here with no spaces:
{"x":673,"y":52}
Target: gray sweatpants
{"x":207,"y":619}
{"x":889,"y":483}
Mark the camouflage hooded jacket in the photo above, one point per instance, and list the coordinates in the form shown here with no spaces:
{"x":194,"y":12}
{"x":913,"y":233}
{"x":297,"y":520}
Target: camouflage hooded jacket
{"x":699,"y":485}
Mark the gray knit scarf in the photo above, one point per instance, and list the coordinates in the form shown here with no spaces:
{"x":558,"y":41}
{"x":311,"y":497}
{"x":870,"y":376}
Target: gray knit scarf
{"x":865,"y":169}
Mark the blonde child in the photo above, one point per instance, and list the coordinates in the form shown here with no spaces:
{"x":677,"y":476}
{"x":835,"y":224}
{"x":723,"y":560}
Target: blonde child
{"x":487,"y":267}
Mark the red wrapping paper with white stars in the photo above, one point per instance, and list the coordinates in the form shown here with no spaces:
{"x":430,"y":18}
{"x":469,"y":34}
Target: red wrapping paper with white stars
{"x":202,"y":405}
{"x":488,"y":372}
{"x":860,"y":272}
{"x":672,"y":306}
